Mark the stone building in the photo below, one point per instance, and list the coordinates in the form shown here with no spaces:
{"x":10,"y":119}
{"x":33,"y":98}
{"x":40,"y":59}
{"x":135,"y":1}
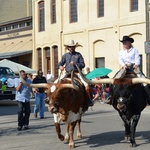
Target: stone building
{"x":97,"y":25}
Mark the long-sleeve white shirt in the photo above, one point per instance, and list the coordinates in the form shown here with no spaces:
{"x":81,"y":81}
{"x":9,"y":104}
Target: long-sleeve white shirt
{"x":130,"y":56}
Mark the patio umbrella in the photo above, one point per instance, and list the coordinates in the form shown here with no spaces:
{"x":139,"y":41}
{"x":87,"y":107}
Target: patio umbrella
{"x":98,"y":72}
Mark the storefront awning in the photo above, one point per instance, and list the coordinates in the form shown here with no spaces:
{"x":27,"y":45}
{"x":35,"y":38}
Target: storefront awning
{"x":16,"y":47}
{"x":14,"y":54}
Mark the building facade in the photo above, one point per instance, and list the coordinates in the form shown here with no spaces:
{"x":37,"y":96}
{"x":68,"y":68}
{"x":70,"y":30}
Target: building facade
{"x":37,"y":30}
{"x":97,"y":25}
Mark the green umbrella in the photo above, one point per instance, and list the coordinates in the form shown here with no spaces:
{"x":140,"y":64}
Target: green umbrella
{"x":98,"y":72}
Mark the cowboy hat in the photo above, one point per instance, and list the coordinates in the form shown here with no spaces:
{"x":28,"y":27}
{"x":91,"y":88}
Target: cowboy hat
{"x":127,"y":38}
{"x":71,"y":43}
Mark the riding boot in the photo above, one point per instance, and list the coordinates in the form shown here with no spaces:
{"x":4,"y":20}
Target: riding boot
{"x":0,"y":84}
{"x":147,"y":90}
{"x":90,"y":102}
{"x":108,"y":100}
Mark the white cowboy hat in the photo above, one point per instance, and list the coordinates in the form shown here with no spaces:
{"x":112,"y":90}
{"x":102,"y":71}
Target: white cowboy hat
{"x":71,"y":43}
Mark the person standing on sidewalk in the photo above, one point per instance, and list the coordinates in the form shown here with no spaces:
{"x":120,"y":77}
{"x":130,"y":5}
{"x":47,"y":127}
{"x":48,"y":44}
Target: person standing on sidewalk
{"x":39,"y":95}
{"x":23,"y":100}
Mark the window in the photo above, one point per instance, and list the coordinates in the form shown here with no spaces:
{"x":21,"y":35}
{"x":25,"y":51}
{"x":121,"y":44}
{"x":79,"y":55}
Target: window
{"x":39,"y":59}
{"x":48,"y":58}
{"x":73,"y":11}
{"x":8,"y":27}
{"x":47,"y":52}
{"x":100,"y":62}
{"x":41,"y":17}
{"x":134,"y":5}
{"x":29,"y":23}
{"x":55,"y":48}
{"x":100,"y":7}
{"x":53,"y":11}
{"x":15,"y":26}
{"x":22,"y":24}
{"x":2,"y":29}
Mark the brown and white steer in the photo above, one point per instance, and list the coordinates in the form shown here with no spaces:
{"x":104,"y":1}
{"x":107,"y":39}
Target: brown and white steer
{"x":67,"y":102}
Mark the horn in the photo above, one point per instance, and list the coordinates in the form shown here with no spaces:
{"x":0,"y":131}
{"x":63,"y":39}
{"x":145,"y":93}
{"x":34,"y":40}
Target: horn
{"x":105,"y":81}
{"x":73,"y":84}
{"x":45,"y":85}
{"x":40,"y":85}
{"x":140,"y":80}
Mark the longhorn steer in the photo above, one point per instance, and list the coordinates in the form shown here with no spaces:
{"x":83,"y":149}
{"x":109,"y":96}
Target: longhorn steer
{"x":67,"y":102}
{"x":128,"y":98}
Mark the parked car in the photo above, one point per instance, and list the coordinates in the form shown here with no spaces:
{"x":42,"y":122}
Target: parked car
{"x":7,"y":83}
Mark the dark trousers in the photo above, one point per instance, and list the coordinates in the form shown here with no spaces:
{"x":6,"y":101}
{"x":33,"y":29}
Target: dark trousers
{"x":23,"y":113}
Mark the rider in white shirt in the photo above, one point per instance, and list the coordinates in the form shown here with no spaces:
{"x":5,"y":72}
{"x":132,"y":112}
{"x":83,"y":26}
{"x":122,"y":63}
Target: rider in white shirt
{"x":129,"y":56}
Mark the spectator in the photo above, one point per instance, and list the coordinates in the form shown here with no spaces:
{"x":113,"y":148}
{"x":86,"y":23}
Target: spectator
{"x":23,"y":100}
{"x":39,"y":95}
{"x":96,"y":90}
{"x":49,"y":75}
{"x":87,"y":70}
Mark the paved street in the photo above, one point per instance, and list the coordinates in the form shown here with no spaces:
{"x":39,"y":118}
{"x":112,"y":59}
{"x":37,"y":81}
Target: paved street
{"x":102,"y":129}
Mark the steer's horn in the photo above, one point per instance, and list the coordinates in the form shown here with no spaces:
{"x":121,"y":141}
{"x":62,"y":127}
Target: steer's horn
{"x":39,"y":85}
{"x":73,"y":84}
{"x":140,"y":80}
{"x":45,"y":85}
{"x":105,"y":81}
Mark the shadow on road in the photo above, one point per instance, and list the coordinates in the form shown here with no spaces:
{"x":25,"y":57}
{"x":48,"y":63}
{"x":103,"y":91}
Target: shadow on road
{"x":111,"y":138}
{"x":9,"y":107}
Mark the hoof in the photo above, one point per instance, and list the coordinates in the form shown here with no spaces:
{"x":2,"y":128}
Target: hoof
{"x":67,"y":138}
{"x":61,"y":137}
{"x":71,"y":145}
{"x":133,"y":145}
{"x":79,"y":135}
{"x":127,"y":138}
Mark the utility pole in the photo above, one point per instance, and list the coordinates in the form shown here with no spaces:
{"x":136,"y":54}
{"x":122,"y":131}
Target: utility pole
{"x":147,"y":42}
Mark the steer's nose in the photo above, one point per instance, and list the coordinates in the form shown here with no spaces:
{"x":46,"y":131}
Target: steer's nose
{"x":121,"y":100}
{"x":52,"y":109}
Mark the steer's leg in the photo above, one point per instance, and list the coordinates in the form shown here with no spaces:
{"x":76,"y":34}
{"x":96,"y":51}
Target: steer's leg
{"x":133,"y":129}
{"x":58,"y":130}
{"x":67,"y":132}
{"x":71,"y":132}
{"x":79,"y":134}
{"x":127,"y":125}
{"x":127,"y":131}
{"x":57,"y":126}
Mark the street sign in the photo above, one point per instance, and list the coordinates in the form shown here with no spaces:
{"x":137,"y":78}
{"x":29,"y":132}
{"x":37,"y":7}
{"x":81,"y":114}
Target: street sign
{"x":147,"y":47}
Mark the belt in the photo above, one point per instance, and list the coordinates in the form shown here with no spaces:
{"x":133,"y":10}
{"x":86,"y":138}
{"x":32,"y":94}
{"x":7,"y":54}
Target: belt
{"x":131,"y":64}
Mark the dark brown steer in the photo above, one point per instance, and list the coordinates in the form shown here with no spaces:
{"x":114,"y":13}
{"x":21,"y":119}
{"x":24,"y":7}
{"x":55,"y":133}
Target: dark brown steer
{"x":128,"y":98}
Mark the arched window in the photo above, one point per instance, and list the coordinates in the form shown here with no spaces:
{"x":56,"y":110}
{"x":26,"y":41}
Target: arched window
{"x":48,"y":58}
{"x":55,"y":49}
{"x":41,"y":16}
{"x":39,"y":53}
